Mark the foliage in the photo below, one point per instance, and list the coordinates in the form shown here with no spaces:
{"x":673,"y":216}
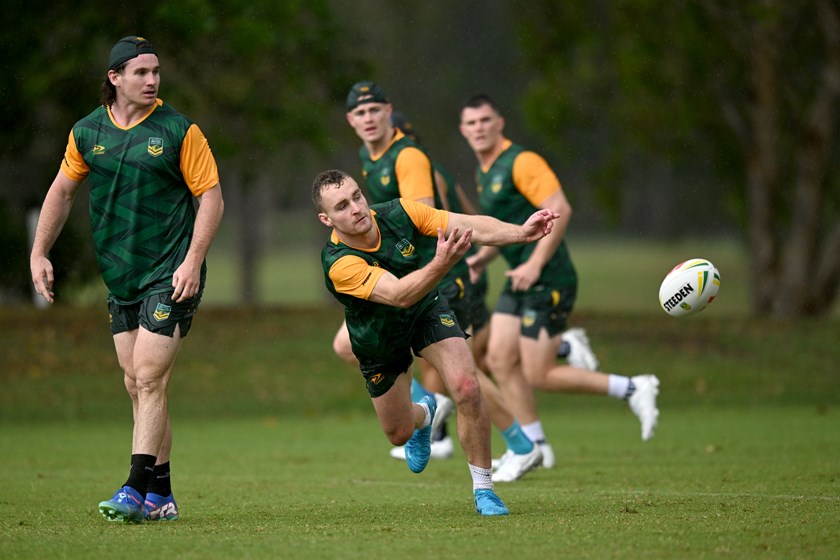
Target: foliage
{"x":256,"y":76}
{"x":736,"y":99}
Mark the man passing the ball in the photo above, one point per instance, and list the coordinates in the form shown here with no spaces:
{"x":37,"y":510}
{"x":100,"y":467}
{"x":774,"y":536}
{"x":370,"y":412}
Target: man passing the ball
{"x":146,"y":165}
{"x":530,"y":316}
{"x":392,"y":308}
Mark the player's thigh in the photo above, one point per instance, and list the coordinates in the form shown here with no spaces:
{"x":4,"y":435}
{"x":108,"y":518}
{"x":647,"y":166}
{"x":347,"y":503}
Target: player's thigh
{"x":503,"y":342}
{"x":538,"y":355}
{"x":154,"y":355}
{"x":453,"y":360}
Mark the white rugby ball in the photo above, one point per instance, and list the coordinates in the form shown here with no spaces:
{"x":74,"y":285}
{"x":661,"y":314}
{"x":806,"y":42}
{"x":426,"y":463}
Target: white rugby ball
{"x":689,"y":287}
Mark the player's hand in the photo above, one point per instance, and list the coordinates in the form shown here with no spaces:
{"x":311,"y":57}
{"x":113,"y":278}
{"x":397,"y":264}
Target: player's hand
{"x":42,"y":277}
{"x":523,"y":276}
{"x":451,"y":250}
{"x":477,"y":266}
{"x":539,"y":224}
{"x":186,"y":282}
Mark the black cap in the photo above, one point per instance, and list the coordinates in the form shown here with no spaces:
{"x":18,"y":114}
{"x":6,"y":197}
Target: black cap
{"x":365,"y":92}
{"x":127,"y":48}
{"x":399,"y":120}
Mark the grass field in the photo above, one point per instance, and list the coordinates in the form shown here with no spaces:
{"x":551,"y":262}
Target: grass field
{"x":278,"y":453}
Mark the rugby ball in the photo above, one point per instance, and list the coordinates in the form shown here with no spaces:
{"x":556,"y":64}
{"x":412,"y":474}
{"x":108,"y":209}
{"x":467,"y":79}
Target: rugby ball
{"x":689,"y":287}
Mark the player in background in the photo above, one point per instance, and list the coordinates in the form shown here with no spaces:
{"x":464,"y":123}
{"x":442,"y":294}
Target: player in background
{"x":389,"y":293}
{"x":541,"y":286}
{"x":393,"y":166}
{"x":146,"y":165}
{"x":467,"y":301}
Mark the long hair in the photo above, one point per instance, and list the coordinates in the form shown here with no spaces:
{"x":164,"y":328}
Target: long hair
{"x":107,"y":91}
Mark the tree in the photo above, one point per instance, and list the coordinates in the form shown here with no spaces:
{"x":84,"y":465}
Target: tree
{"x":746,"y":91}
{"x":257,"y":76}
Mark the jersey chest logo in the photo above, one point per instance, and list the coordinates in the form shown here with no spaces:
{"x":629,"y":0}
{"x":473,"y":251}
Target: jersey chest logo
{"x":405,"y":248}
{"x":155,"y":147}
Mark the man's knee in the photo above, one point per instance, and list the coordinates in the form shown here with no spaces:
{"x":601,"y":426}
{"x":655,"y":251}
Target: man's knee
{"x":464,"y":388}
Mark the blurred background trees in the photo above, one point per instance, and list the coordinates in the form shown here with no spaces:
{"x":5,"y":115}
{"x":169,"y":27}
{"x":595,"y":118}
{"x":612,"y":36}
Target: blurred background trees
{"x":662,"y":119}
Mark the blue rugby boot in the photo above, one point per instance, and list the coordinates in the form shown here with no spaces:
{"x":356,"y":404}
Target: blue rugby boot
{"x":126,"y":506}
{"x":488,"y":503}
{"x":419,"y":448}
{"x":160,"y":508}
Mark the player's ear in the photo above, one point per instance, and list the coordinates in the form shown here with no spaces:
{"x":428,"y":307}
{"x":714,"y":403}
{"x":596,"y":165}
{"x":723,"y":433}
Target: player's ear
{"x":324,"y":219}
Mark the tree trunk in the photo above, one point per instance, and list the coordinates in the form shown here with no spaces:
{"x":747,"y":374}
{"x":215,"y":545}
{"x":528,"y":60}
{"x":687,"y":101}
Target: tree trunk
{"x":800,"y":264}
{"x":762,"y":166}
{"x":248,"y":216}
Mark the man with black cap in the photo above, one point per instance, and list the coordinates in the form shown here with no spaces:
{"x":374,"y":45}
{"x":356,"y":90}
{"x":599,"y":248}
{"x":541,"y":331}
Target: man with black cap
{"x":146,"y":166}
{"x":393,"y":166}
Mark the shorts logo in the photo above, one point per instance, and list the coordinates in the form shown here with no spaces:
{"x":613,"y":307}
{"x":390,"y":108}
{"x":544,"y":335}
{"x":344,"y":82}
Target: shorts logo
{"x":446,"y":320}
{"x":529,"y":318}
{"x":155,"y":147}
{"x":555,"y":298}
{"x":385,"y":180}
{"x":98,"y":150}
{"x":376,"y":378}
{"x":405,"y":248}
{"x":162,"y":312}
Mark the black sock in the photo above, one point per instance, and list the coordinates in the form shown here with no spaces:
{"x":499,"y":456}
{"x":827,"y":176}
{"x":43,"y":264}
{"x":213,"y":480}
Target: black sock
{"x":564,"y":349}
{"x":159,"y":484}
{"x":142,"y":467}
{"x":631,"y":388}
{"x":441,"y":433}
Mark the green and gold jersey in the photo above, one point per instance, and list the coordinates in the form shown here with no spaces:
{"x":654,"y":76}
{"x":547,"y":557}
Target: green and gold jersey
{"x":351,"y":274}
{"x":512,"y":189}
{"x":403,"y":170}
{"x":142,"y":182}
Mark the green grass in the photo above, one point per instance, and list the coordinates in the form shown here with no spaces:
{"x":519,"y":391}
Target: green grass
{"x":709,"y":485}
{"x":278,"y":453}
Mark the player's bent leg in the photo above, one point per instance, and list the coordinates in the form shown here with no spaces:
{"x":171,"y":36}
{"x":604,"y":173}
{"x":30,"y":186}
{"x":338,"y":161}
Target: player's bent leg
{"x":453,"y":360}
{"x":398,"y":416}
{"x":540,"y":369}
{"x":505,"y":365}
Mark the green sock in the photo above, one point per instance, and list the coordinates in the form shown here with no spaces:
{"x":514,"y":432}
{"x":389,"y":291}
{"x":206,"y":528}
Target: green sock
{"x":516,"y":439}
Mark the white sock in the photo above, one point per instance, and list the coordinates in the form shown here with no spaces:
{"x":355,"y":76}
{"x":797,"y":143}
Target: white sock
{"x":534,"y":431}
{"x":428,"y":419}
{"x":618,"y":386}
{"x":481,"y":478}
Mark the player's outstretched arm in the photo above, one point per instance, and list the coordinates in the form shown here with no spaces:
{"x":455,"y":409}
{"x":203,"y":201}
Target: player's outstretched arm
{"x":490,"y":231}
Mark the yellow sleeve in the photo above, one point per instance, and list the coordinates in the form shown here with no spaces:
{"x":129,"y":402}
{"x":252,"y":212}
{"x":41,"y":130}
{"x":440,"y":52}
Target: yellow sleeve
{"x":198,"y":166}
{"x":414,"y":174}
{"x":534,"y":178}
{"x":426,"y":218}
{"x":73,"y":165}
{"x":353,"y":276}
